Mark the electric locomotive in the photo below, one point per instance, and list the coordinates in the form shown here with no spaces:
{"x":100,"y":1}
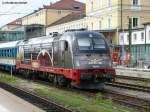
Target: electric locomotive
{"x":78,"y":58}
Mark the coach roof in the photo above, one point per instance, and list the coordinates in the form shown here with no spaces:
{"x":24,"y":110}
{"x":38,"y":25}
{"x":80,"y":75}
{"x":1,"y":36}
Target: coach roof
{"x":9,"y":44}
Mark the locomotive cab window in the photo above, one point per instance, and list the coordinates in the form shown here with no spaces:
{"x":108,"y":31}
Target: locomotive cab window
{"x":64,"y":45}
{"x":90,"y":42}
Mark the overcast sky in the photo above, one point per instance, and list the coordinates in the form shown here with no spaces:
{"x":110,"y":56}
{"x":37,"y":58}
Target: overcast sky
{"x":11,"y":12}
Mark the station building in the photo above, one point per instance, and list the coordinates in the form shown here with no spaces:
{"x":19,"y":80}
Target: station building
{"x":140,"y":42}
{"x":35,"y":23}
{"x":12,"y":31}
{"x":49,"y":14}
{"x":16,"y":31}
{"x":112,"y":16}
{"x":71,"y":21}
{"x":11,"y":35}
{"x":13,"y":26}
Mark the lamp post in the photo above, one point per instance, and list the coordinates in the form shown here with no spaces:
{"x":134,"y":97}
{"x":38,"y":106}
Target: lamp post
{"x":130,"y":34}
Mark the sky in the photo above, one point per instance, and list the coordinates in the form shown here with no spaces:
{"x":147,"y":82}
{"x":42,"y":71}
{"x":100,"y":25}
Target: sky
{"x":10,"y":12}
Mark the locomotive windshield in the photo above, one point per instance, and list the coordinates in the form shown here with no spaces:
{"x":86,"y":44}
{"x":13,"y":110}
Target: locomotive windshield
{"x":86,"y":43}
{"x":90,"y":42}
{"x":93,"y":51}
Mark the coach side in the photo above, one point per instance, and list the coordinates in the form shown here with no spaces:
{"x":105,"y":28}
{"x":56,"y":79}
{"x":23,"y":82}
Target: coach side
{"x":8,"y":54}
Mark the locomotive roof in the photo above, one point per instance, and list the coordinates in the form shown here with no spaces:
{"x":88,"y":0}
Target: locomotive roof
{"x":9,"y":44}
{"x":38,"y":40}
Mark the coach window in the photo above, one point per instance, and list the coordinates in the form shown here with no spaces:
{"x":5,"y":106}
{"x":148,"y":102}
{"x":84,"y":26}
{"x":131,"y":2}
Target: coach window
{"x":0,"y":53}
{"x":13,"y":52}
{"x":7,"y":53}
{"x":10,"y":51}
{"x":3,"y":53}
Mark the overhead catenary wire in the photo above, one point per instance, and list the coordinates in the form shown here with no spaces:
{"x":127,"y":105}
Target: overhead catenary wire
{"x":25,"y":9}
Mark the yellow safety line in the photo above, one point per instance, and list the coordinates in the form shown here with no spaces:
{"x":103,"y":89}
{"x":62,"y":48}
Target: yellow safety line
{"x":7,"y":58}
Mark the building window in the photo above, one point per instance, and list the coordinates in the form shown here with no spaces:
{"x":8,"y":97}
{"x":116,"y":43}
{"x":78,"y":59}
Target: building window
{"x":122,"y":38}
{"x":135,"y":37}
{"x":100,"y":25}
{"x":100,"y":4}
{"x":59,"y":12}
{"x":108,"y":3}
{"x":127,"y":37}
{"x":108,"y":22}
{"x":142,"y":36}
{"x":92,"y":26}
{"x":135,"y":22}
{"x":92,"y":8}
{"x":135,"y":2}
{"x":37,"y":14}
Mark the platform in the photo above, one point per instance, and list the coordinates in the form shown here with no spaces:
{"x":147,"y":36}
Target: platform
{"x":12,"y":103}
{"x":133,"y":72}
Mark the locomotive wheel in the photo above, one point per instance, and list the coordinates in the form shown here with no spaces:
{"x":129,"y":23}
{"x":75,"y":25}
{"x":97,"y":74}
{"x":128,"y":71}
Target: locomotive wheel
{"x":62,"y":81}
{"x":26,"y":74}
{"x":55,"y":81}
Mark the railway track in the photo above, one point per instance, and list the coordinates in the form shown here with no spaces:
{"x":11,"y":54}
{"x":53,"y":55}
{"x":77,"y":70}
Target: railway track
{"x":132,"y":78}
{"x":34,"y":99}
{"x":129,"y":86}
{"x":140,"y":104}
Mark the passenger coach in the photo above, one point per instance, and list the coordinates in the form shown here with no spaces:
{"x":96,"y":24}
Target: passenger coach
{"x":8,"y":54}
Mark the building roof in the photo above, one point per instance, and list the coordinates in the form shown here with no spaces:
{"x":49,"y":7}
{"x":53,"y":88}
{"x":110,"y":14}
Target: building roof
{"x":70,"y":17}
{"x":67,"y":5}
{"x":148,"y":23}
{"x":15,"y":22}
{"x":106,"y":31}
{"x":63,"y":5}
{"x":134,"y":29}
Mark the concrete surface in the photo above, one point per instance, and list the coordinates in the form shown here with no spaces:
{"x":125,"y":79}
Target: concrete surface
{"x":133,"y":72}
{"x":12,"y":103}
{"x":138,"y":94}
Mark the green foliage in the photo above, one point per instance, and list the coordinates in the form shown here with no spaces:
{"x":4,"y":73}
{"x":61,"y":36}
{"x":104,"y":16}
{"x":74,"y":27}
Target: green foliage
{"x":81,"y":102}
{"x":8,"y":79}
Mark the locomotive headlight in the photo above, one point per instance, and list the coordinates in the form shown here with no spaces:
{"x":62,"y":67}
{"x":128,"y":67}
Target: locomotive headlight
{"x":95,"y":61}
{"x":77,"y":63}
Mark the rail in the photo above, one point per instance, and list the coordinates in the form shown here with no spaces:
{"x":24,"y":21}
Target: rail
{"x":34,"y":99}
